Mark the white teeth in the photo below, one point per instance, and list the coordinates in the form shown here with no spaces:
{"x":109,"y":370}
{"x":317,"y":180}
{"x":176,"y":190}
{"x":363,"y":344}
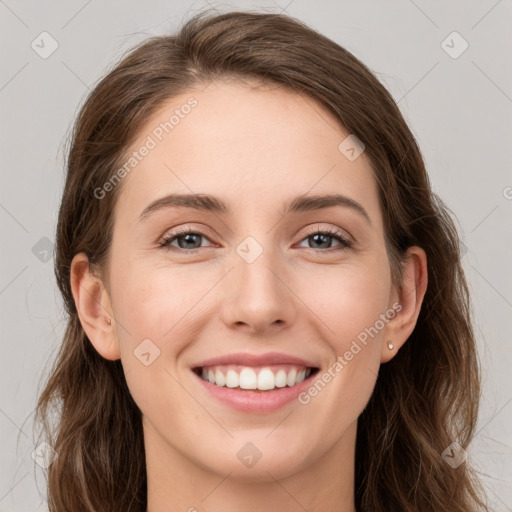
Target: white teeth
{"x":300,"y":376}
{"x":248,"y":378}
{"x":280,"y":379}
{"x":220,"y":380}
{"x":266,"y":379}
{"x":290,"y":379}
{"x":232,"y":380}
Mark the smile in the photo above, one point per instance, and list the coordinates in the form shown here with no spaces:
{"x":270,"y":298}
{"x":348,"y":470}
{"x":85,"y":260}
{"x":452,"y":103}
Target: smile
{"x":264,"y":378}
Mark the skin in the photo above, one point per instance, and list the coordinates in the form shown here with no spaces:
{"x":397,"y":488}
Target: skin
{"x":255,"y":148}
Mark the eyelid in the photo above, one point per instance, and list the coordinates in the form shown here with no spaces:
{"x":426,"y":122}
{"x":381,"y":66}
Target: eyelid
{"x":184,"y":230}
{"x":332,"y":230}
{"x":207,"y":232}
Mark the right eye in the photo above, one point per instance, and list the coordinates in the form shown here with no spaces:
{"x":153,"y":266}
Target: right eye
{"x":185,"y":237}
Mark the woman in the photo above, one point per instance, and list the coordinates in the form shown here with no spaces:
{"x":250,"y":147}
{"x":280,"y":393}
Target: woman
{"x":256,"y":370}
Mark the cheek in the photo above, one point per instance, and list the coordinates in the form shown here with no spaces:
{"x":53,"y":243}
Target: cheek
{"x":159,"y":311}
{"x":152,"y":307}
{"x":152,"y":301}
{"x":350,"y":303}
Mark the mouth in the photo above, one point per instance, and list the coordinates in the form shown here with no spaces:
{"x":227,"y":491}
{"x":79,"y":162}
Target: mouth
{"x":250,"y":378}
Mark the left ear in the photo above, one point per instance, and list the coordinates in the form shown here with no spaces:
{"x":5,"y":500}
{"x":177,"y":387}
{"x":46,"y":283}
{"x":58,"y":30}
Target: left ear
{"x":410,"y":297}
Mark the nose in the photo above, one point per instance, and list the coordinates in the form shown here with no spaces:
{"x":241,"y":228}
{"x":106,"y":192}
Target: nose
{"x":259,"y":297}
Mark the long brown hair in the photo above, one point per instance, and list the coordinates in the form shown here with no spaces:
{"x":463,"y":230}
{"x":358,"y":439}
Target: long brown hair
{"x":425,"y":398}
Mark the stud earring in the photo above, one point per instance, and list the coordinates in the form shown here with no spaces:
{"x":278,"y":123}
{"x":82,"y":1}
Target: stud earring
{"x":390,"y":345}
{"x":109,"y":321}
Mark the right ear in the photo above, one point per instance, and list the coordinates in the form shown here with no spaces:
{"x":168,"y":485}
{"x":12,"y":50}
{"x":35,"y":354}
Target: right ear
{"x":94,"y":308}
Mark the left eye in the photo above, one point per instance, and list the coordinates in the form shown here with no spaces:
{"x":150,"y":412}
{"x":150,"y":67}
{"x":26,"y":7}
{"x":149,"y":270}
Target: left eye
{"x":320,"y":238}
{"x":189,"y":240}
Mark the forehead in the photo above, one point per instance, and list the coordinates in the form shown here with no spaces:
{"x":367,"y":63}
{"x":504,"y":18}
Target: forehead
{"x":255,"y":146}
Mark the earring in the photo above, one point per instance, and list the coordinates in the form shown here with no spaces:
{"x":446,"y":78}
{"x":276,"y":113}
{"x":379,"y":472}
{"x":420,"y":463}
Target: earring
{"x":390,"y":345}
{"x":109,"y":321}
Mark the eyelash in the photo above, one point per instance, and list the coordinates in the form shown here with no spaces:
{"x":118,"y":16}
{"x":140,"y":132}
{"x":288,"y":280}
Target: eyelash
{"x":345,"y":242}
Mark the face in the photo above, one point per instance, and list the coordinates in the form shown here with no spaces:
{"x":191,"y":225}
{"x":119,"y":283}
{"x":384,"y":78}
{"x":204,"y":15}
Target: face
{"x":264,"y":290}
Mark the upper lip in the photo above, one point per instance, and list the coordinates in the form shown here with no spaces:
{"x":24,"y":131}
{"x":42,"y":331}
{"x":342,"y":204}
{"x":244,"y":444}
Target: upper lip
{"x":246,"y":359}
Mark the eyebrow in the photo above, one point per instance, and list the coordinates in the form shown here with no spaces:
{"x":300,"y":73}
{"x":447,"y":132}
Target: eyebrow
{"x":208,"y":203}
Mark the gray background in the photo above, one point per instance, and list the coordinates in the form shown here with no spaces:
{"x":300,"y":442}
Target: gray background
{"x":458,"y":108}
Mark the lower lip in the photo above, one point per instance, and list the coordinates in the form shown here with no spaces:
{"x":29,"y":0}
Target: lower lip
{"x":253,"y":400}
